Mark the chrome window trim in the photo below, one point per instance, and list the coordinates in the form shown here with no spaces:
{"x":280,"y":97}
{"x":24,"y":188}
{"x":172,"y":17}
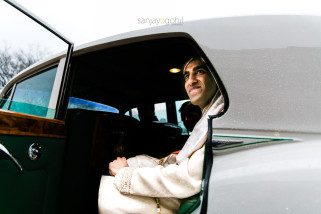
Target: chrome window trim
{"x":56,"y":85}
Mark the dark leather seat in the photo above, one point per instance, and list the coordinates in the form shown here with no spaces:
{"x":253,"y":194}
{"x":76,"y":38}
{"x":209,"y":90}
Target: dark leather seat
{"x":93,"y":139}
{"x":161,"y":139}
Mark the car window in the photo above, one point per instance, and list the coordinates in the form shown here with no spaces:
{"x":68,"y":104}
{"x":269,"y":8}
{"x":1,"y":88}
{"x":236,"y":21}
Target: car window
{"x":40,"y":43}
{"x":32,"y":96}
{"x":134,"y":113}
{"x":160,"y":112}
{"x":178,"y":105}
{"x":18,"y":54}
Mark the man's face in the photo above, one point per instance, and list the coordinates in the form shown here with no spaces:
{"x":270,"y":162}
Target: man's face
{"x":199,"y":83}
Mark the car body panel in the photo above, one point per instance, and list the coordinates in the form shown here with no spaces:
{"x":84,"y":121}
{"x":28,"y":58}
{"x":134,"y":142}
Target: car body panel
{"x":282,"y":177}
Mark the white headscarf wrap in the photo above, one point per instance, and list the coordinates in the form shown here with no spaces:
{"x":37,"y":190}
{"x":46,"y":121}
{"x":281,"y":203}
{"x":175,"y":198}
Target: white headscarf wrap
{"x":199,"y":134}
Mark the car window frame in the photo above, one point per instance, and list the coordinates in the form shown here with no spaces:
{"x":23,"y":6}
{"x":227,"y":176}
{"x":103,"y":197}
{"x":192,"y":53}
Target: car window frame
{"x":6,"y":98}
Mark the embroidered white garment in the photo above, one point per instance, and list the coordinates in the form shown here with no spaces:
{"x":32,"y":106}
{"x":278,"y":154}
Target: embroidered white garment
{"x":199,"y":134}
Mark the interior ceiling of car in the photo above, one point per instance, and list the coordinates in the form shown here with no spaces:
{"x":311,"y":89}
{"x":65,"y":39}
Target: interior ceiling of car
{"x":130,"y":75}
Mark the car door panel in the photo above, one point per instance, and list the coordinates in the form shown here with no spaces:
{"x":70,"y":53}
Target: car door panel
{"x":36,"y":188}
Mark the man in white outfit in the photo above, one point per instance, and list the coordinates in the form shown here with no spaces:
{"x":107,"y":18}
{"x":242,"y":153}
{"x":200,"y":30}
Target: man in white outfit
{"x":143,"y":184}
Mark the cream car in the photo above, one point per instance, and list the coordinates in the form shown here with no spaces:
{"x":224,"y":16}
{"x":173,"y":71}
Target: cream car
{"x":63,"y":119}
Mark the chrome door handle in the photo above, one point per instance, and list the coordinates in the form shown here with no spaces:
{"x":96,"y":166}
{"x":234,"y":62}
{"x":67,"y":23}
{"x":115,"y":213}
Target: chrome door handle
{"x":4,"y":151}
{"x":35,"y":151}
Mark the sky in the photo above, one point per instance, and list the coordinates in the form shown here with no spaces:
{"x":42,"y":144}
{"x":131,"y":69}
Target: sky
{"x":83,"y":21}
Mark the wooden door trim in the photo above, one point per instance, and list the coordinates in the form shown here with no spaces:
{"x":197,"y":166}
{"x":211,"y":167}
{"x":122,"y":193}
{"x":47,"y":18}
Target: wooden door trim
{"x":13,"y":123}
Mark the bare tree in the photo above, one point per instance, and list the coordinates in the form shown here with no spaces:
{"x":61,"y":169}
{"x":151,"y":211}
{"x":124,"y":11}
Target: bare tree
{"x":6,"y":72}
{"x":12,"y":62}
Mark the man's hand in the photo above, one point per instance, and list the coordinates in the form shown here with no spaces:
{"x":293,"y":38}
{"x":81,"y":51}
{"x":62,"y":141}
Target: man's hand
{"x":116,"y":165}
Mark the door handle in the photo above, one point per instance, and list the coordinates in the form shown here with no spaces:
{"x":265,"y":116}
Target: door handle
{"x":4,"y":152}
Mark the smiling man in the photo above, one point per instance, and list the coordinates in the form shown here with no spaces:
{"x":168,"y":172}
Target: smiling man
{"x":199,"y":82}
{"x":143,"y":184}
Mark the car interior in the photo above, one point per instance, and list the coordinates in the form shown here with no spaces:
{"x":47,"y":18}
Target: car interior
{"x":123,"y":77}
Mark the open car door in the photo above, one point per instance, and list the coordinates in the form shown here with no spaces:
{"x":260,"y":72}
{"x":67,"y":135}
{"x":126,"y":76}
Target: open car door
{"x":32,"y":133}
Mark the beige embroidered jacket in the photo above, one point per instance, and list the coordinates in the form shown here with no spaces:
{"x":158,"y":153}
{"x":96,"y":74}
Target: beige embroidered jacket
{"x":145,"y":177}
